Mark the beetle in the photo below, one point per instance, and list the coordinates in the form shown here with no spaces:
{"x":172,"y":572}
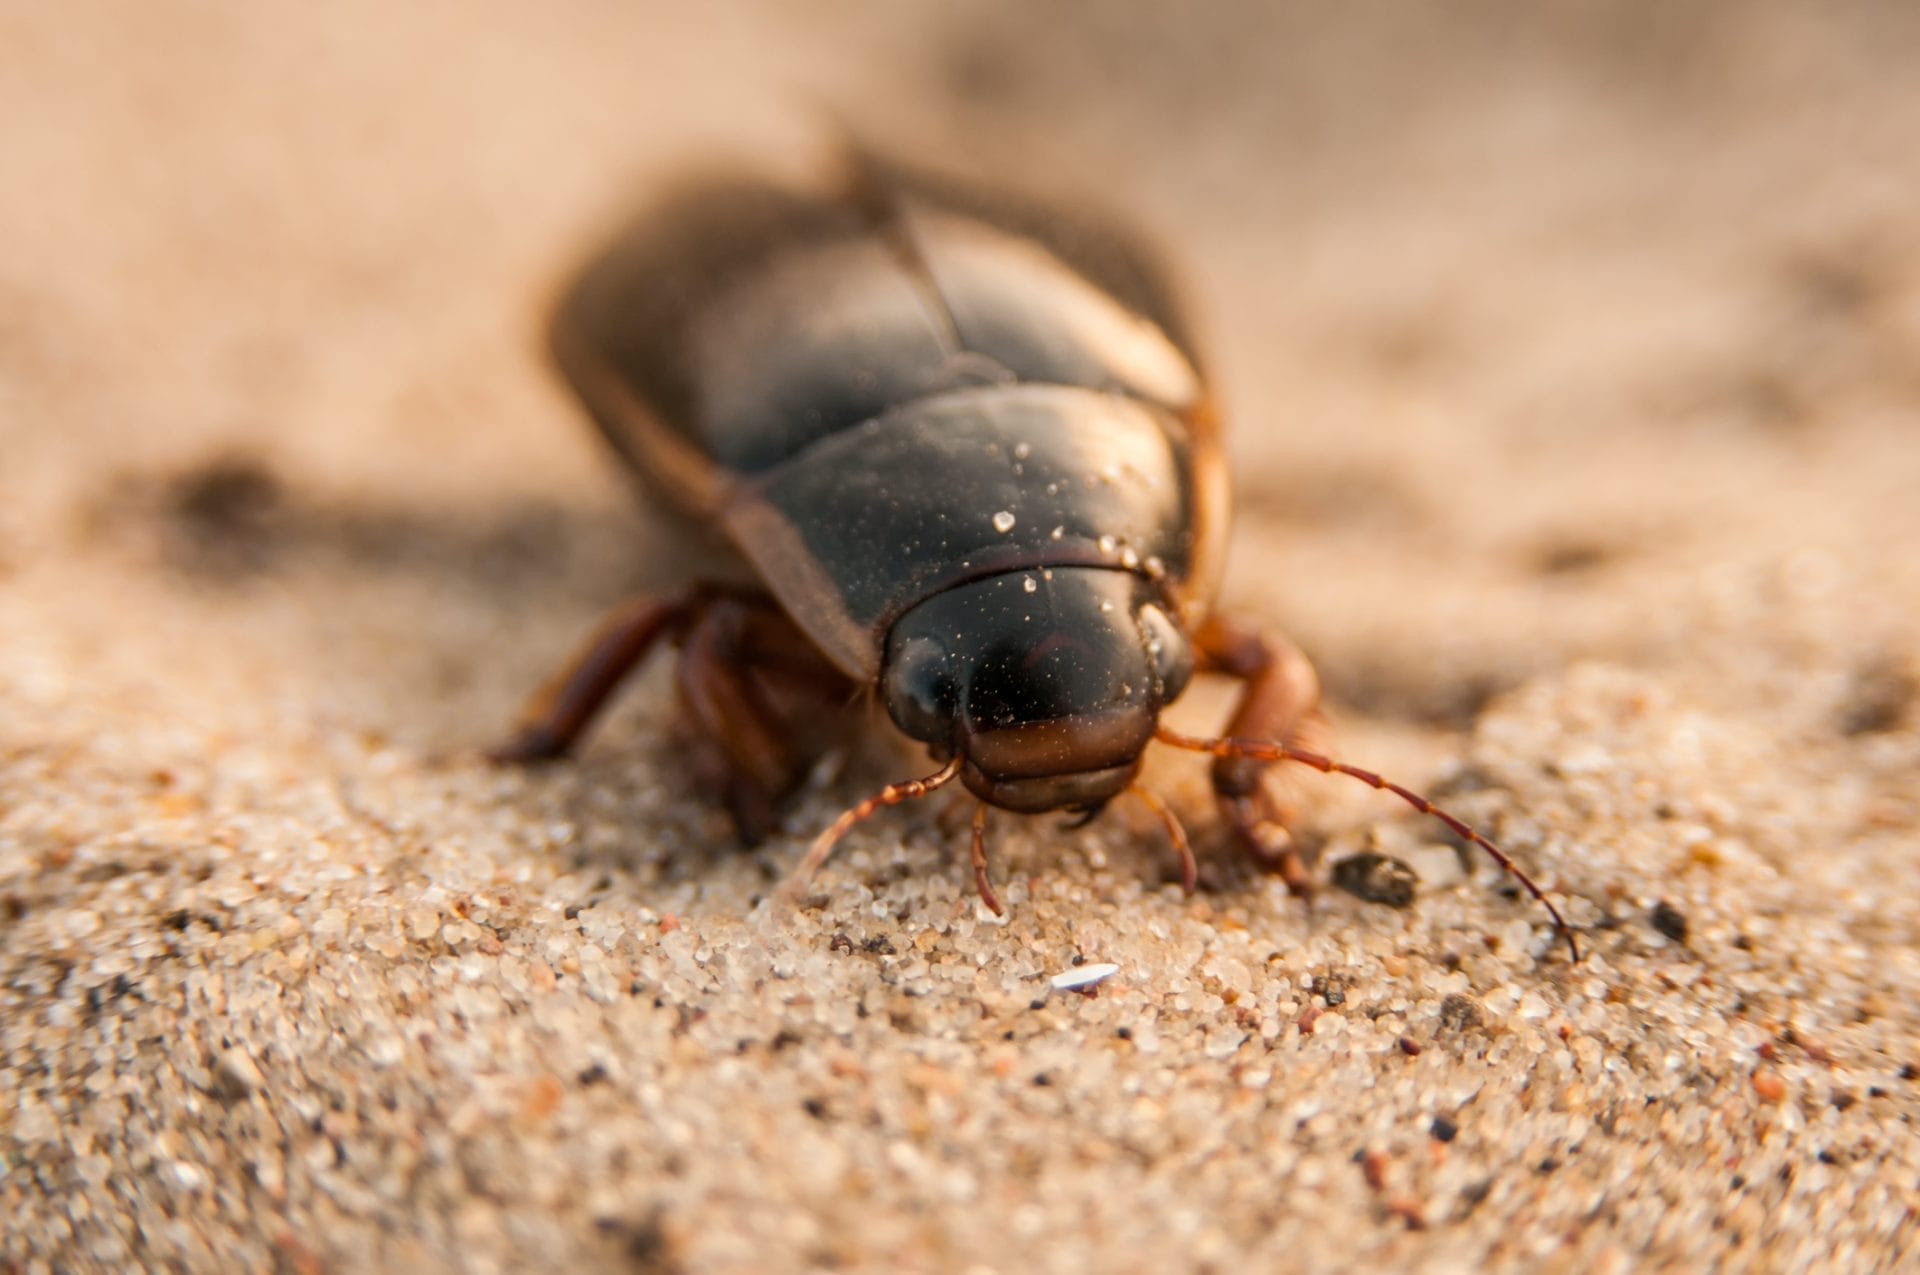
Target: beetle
{"x":964,"y":445}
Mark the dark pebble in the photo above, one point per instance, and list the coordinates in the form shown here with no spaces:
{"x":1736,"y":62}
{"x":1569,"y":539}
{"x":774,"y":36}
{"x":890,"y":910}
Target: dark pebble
{"x":1377,"y":878}
{"x":1669,"y":920}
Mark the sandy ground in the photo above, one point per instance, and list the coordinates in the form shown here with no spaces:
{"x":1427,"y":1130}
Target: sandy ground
{"x":1574,"y":372}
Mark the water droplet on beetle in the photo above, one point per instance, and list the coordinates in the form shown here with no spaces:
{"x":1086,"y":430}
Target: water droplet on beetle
{"x":1003,"y":522}
{"x":1030,"y":584}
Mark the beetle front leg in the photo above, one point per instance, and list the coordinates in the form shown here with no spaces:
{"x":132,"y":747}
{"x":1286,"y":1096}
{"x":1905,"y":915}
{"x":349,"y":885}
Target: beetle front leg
{"x":1280,"y":700}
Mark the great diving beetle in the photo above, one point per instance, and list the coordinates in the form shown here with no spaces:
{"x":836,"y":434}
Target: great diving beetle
{"x":965,"y":446}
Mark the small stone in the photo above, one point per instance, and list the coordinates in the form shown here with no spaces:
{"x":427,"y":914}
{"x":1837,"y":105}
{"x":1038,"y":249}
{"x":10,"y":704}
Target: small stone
{"x":1669,"y":920}
{"x":185,"y":1175}
{"x":33,"y":1122}
{"x":1084,"y":977}
{"x":235,"y":1075}
{"x":1460,"y":1012}
{"x":1377,"y":878}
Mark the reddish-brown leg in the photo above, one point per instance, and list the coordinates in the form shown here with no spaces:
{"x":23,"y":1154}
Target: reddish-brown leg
{"x":1279,"y":701}
{"x":727,"y":658}
{"x":982,"y":881}
{"x":735,"y":647}
{"x":1176,"y":836}
{"x":557,"y":714}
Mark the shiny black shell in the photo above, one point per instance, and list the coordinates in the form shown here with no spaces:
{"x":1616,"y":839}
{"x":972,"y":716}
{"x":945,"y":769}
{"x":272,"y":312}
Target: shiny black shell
{"x":882,"y":392}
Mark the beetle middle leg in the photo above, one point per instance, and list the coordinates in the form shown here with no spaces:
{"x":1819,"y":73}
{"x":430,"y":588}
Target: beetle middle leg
{"x":742,"y":663}
{"x":746,"y":678}
{"x":558,"y":714}
{"x":1279,"y":700}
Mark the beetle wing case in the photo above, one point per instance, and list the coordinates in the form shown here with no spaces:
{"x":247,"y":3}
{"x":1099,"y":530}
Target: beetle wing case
{"x":882,"y":393}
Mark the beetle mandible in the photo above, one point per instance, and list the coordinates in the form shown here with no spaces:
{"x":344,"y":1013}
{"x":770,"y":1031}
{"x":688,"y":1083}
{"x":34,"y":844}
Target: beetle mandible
{"x":965,"y":445}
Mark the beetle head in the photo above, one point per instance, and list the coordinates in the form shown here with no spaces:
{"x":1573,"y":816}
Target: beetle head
{"x":1046,"y":683}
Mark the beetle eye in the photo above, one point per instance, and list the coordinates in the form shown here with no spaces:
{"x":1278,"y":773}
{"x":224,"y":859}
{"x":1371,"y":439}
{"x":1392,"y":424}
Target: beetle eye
{"x":921,"y":692}
{"x":1168,"y":648}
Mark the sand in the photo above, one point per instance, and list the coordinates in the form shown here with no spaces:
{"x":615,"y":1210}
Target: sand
{"x":1570,"y":364}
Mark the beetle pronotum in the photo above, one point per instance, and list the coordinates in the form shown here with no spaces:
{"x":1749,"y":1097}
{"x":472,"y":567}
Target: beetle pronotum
{"x":966,"y":448}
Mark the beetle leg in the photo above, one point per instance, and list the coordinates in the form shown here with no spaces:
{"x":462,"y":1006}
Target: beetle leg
{"x":981,"y":881}
{"x":1279,"y":701}
{"x":730,"y":648}
{"x":560,"y":711}
{"x":729,"y":641}
{"x":891,"y":795}
{"x":1176,"y":836}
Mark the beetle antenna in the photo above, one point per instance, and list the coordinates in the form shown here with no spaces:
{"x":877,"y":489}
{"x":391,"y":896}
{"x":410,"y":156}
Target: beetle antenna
{"x":891,"y":795}
{"x":1270,"y":750}
{"x":1189,"y":870}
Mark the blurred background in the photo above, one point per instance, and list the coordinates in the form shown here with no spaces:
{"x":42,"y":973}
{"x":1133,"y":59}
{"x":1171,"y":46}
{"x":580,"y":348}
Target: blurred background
{"x":1543,"y":331}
